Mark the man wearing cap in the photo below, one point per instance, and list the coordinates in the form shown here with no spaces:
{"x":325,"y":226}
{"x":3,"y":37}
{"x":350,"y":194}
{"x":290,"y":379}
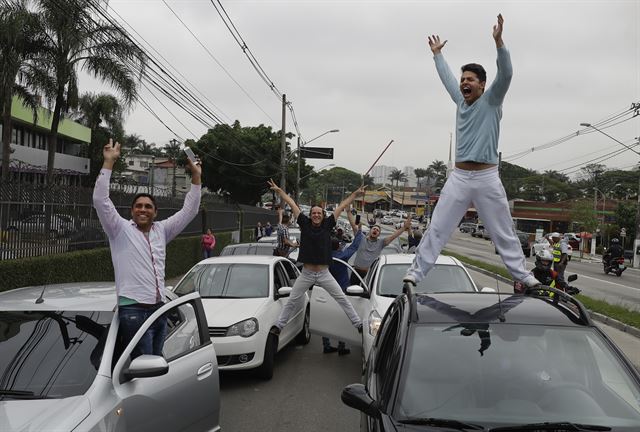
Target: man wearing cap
{"x":560,"y":254}
{"x":371,"y":248}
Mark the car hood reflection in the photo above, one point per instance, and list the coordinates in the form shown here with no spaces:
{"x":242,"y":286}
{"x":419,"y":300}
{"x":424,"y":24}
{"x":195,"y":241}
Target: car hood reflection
{"x":41,"y":415}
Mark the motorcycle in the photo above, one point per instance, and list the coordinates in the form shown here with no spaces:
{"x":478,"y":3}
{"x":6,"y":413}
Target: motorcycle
{"x":614,"y":265}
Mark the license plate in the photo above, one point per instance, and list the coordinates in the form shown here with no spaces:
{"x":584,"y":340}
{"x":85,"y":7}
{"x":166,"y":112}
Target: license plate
{"x":621,"y":266}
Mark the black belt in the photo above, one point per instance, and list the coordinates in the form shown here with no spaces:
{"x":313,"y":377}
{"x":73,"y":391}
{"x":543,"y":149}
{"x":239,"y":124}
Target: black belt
{"x":145,"y":305}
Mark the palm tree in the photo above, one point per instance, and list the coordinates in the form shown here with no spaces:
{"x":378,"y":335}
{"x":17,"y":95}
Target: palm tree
{"x":397,"y":176}
{"x":439,"y":169}
{"x":420,"y":173}
{"x":76,"y":40}
{"x":172,"y":151}
{"x":20,"y":40}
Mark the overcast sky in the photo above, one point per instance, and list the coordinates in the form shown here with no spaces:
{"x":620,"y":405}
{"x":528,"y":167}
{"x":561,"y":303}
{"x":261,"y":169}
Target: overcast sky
{"x":364,"y":67}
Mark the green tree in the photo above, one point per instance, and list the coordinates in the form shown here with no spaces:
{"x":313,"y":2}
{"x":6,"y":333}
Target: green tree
{"x":420,"y":173}
{"x":583,"y":215}
{"x":397,"y":176}
{"x":76,"y":39}
{"x":626,"y":217}
{"x":439,"y":170}
{"x":102,"y":113}
{"x":20,"y":40}
{"x":239,"y":160}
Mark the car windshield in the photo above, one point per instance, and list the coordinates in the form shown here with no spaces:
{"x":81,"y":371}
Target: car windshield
{"x":441,"y":278}
{"x":507,"y":374}
{"x":227,"y":281}
{"x":50,"y":354}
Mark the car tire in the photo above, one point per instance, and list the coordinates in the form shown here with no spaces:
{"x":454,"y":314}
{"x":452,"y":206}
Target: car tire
{"x":265,"y":370}
{"x":304,"y":336}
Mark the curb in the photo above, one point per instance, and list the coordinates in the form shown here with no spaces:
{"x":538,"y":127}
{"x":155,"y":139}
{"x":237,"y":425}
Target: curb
{"x":626,"y":328}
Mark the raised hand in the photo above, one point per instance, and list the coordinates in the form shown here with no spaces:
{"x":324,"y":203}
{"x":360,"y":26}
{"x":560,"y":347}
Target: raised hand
{"x":435,"y":44}
{"x":111,"y":152}
{"x":497,"y":31}
{"x":273,"y":186}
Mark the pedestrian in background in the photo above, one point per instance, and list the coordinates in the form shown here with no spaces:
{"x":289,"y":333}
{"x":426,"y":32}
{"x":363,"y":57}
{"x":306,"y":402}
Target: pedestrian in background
{"x":258,"y":231}
{"x":475,"y":180}
{"x":268,"y":229}
{"x":284,"y":243}
{"x":138,"y":250}
{"x":208,"y":243}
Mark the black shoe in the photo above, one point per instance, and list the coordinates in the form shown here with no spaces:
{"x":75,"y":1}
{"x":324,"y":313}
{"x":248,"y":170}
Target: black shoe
{"x":329,"y":349}
{"x":343,"y":351}
{"x":275,"y":331}
{"x":359,"y":328}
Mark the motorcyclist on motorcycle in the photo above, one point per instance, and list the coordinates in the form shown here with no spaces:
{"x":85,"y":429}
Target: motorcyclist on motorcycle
{"x":544,"y":271}
{"x":615,"y":251}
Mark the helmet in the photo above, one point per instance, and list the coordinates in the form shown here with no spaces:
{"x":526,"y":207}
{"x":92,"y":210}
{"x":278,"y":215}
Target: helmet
{"x":615,"y":240}
{"x":544,"y":260}
{"x":555,"y":234}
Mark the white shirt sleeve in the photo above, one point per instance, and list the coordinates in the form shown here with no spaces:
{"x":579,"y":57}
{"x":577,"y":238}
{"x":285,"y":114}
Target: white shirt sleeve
{"x":109,"y":218}
{"x":179,"y":221}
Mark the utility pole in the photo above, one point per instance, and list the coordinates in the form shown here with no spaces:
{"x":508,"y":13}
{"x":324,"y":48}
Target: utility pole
{"x":636,"y":243}
{"x":298,"y":172}
{"x":174,"y":160}
{"x":283,"y":147}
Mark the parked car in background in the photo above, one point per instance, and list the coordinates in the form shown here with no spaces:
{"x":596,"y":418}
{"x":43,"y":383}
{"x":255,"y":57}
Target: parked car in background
{"x":243,"y":296}
{"x":523,"y":237}
{"x":60,"y":225}
{"x":467,"y":227}
{"x":469,"y":361}
{"x":386,"y":220}
{"x":477,"y":230}
{"x":573,"y":239}
{"x":66,"y":369}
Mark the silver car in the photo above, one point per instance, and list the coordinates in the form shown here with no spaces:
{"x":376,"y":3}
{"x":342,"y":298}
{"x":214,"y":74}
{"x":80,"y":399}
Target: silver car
{"x":64,"y":368}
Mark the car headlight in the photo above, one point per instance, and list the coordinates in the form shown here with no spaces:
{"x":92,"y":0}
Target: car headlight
{"x":374,"y":322}
{"x":245,"y":328}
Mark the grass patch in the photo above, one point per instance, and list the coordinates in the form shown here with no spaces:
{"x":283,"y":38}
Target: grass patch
{"x":616,"y":312}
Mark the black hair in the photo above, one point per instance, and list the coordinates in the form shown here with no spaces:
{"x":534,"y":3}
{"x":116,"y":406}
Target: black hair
{"x":141,"y":195}
{"x":285,"y":218}
{"x":476,"y":69}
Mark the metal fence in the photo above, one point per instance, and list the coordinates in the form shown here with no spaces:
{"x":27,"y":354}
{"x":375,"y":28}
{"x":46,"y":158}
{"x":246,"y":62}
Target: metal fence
{"x":40,"y":220}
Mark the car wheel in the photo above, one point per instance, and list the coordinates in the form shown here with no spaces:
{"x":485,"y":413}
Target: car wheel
{"x":304,"y":336}
{"x":265,"y":370}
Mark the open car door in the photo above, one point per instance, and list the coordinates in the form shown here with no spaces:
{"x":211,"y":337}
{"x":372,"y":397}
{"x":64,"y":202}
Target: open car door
{"x":327,"y":317}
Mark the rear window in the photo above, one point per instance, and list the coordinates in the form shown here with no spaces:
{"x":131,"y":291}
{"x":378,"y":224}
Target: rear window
{"x":441,"y":278}
{"x":50,"y":354}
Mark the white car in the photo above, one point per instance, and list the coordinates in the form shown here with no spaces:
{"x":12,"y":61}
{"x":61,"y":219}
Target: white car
{"x":242,"y":296}
{"x":386,"y":220}
{"x":383,"y":283}
{"x":65,"y":368}
{"x":543,"y":243}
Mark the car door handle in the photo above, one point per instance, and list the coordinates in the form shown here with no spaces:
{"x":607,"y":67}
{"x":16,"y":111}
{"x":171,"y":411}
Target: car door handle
{"x":205,"y":369}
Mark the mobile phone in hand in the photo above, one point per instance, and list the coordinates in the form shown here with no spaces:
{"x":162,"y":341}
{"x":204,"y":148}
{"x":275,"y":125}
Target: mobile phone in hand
{"x":190,"y":154}
{"x":357,"y":219}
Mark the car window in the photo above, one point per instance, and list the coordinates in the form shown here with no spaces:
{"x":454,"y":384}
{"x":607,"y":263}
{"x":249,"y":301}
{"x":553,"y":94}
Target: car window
{"x":290,"y":270}
{"x":441,"y":278}
{"x":188,"y":283}
{"x":372,"y":271}
{"x":233,"y":280}
{"x":183,"y":331}
{"x":50,"y":354}
{"x":484,"y":371}
{"x":385,"y":358}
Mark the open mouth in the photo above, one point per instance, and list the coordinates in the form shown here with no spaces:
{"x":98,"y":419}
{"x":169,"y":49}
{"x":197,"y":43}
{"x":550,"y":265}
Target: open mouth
{"x":466,"y":90}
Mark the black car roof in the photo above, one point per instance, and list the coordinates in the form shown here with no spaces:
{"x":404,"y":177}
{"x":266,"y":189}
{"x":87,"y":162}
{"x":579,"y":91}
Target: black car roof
{"x":487,"y":308}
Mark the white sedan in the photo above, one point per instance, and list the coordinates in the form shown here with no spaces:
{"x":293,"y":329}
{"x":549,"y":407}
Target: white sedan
{"x":383,"y":284}
{"x":242,"y":296}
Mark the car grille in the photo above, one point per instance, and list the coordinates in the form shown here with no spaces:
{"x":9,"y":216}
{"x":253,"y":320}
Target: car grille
{"x":217,"y":331}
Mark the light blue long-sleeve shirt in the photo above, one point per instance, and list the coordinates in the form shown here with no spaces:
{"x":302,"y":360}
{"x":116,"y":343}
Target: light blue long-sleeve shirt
{"x":478,"y":124}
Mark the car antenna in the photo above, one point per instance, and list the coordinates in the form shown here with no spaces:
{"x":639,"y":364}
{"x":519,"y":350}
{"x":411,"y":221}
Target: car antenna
{"x":40,"y":298}
{"x":500,"y":314}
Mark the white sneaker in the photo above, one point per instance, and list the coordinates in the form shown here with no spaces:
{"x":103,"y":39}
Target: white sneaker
{"x":410,"y":279}
{"x":530,"y":281}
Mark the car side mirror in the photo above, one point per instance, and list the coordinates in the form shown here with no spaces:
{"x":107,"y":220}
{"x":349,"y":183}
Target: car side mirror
{"x":146,"y":366}
{"x":356,"y":396}
{"x":284,"y":291}
{"x":355,"y":290}
{"x":488,"y":289}
{"x":572,"y":278}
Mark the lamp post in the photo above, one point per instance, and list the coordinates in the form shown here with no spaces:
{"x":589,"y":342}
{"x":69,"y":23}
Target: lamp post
{"x":298,"y":150}
{"x":636,"y":244}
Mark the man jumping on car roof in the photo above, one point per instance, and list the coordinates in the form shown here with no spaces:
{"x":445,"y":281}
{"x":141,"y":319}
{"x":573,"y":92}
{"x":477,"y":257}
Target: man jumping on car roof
{"x":475,"y":180}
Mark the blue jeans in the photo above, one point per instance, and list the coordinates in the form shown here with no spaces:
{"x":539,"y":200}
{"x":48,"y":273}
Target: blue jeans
{"x":207,"y":253}
{"x":131,"y":319}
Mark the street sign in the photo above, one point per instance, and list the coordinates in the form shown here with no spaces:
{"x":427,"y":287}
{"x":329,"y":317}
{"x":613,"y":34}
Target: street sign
{"x":316,"y":152}
{"x":623,"y":232}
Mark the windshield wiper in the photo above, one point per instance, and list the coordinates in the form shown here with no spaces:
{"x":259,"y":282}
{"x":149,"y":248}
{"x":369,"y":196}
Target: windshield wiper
{"x":551,"y":426}
{"x":25,"y":394}
{"x":440,"y":422}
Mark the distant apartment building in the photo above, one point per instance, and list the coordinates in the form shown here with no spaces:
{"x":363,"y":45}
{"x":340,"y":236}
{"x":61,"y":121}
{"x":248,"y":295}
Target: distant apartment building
{"x":380,"y":175}
{"x":29,"y":146}
{"x":155,"y":172}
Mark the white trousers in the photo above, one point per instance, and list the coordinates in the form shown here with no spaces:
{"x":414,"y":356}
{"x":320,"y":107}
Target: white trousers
{"x":482,"y":189}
